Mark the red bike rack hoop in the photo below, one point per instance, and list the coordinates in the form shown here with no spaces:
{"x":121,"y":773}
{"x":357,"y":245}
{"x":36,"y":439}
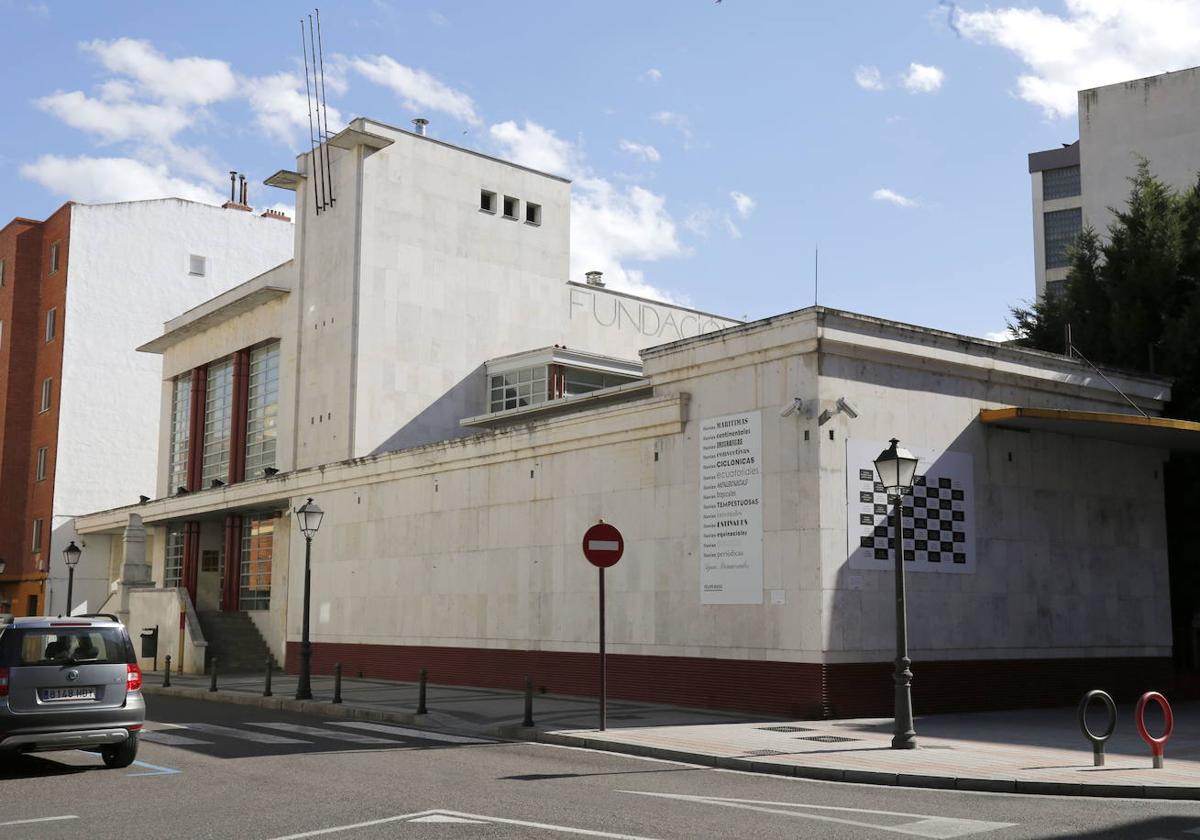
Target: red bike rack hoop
{"x":1139,"y":715}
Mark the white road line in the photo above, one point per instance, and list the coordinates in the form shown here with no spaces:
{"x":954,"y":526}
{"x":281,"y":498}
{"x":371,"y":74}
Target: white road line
{"x":157,"y":737}
{"x":924,"y":825}
{"x":155,"y":770}
{"x":317,"y":732}
{"x":243,"y":734}
{"x":415,"y":817}
{"x":442,"y":818}
{"x":39,"y":820}
{"x":406,"y":732}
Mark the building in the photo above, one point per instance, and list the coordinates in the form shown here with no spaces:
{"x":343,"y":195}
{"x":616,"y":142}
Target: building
{"x":77,"y":404}
{"x":462,"y":411}
{"x":1156,"y":118}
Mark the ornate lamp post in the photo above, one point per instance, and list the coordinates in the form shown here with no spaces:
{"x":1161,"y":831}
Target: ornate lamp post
{"x":896,"y":467}
{"x":71,"y":555}
{"x":308,"y":516}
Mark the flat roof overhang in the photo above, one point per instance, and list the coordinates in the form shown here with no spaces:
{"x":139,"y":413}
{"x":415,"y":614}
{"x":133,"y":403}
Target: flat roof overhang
{"x":1132,"y":429}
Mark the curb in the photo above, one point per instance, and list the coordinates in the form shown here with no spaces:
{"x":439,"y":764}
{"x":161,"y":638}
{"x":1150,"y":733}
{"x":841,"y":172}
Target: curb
{"x":516,"y":732}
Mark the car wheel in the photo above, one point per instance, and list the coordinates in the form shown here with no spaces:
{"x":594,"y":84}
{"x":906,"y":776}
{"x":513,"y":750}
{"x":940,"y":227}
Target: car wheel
{"x":122,"y":754}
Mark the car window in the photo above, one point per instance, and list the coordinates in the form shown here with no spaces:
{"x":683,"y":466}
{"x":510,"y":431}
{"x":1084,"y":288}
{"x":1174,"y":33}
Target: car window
{"x":55,"y":645}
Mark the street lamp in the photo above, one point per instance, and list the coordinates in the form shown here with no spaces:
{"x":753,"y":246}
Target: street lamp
{"x":896,"y":467}
{"x":308,"y":516}
{"x":71,"y":556}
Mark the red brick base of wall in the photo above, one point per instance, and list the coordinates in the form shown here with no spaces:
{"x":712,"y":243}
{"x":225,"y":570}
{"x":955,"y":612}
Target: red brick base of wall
{"x":786,"y":689}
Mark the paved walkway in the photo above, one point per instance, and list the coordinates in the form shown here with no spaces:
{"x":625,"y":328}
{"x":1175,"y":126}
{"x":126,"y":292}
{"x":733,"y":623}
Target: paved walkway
{"x":1032,"y":751}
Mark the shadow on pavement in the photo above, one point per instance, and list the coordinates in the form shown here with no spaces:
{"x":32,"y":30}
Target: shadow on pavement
{"x":31,"y":766}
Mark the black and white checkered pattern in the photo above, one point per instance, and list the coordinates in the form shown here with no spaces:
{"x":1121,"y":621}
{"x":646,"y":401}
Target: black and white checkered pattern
{"x":934,"y":519}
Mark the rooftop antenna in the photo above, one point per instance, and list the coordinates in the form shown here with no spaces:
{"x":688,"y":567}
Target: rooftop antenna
{"x":312,"y":45}
{"x":1073,"y":352}
{"x":325,"y":111}
{"x":816,"y":272}
{"x":308,"y":94}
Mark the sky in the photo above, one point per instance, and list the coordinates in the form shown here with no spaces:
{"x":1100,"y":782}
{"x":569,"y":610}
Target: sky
{"x":724,"y":155}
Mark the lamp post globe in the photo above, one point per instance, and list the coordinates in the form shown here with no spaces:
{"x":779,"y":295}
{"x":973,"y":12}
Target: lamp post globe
{"x":71,"y":555}
{"x":897,"y":467}
{"x":308,"y":517}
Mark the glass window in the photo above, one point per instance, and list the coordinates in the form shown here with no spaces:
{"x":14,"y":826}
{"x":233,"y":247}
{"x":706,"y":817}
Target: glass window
{"x":53,"y":645}
{"x":173,"y":567}
{"x":258,"y":542}
{"x":533,"y":213}
{"x":2,"y":278}
{"x":197,"y":265}
{"x":1060,"y":183}
{"x":1055,"y":289}
{"x":218,"y":422}
{"x":51,"y":319}
{"x":262,"y":410}
{"x":1062,"y":228}
{"x":47,"y":388}
{"x":487,"y":201}
{"x":37,"y":535}
{"x":54,"y":258}
{"x":510,"y":207}
{"x":181,"y":410}
{"x":517,"y":388}
{"x":580,"y":381}
{"x":43,"y":452}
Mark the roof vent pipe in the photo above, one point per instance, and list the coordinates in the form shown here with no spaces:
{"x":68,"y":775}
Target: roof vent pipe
{"x":419,"y":125}
{"x":593,"y":278}
{"x":242,"y":184}
{"x":232,"y":186}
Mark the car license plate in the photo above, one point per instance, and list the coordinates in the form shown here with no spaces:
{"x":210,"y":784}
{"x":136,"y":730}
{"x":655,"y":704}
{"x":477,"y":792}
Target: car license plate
{"x":53,"y":695}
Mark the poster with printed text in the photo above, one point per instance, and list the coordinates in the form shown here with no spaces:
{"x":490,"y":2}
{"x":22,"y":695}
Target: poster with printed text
{"x":731,"y":528}
{"x":938,"y":513}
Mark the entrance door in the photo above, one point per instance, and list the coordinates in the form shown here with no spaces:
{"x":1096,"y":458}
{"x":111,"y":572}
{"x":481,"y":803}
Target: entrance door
{"x":208,"y":590}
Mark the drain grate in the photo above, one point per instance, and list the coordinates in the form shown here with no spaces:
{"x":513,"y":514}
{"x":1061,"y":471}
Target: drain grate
{"x":761,"y":753}
{"x":826,"y":739}
{"x":783,"y":729}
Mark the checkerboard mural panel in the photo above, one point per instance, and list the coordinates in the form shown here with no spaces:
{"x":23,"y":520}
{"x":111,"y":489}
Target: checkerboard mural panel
{"x":938,"y":514}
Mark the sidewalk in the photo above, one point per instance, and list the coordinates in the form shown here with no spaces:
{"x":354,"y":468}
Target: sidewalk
{"x":1030,"y":751}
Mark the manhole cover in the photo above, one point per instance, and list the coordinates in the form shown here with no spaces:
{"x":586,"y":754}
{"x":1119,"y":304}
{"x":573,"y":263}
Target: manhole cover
{"x":784,"y":729}
{"x":761,"y":753}
{"x":826,"y":739}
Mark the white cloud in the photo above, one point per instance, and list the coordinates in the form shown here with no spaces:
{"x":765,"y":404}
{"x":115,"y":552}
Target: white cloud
{"x":90,"y":179}
{"x":281,"y":106}
{"x":1096,"y":42}
{"x":675,"y":120}
{"x":609,"y":225}
{"x":923,"y":78}
{"x":743,"y":203}
{"x":892,"y":197}
{"x":644,"y":151}
{"x":438,"y":19}
{"x":702,"y":219}
{"x":732,"y":229}
{"x":652,"y":75}
{"x":1003,"y":335}
{"x":189,"y":81}
{"x":418,"y":90}
{"x":867,"y":77}
{"x":113,"y":120}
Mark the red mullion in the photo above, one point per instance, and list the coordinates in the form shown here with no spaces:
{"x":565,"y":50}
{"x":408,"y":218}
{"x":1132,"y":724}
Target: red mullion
{"x":191,"y":559}
{"x":233,"y":563}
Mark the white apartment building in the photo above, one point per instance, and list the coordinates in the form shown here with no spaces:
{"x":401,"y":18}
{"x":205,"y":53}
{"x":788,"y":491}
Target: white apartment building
{"x":463,"y":411}
{"x":1156,"y":118}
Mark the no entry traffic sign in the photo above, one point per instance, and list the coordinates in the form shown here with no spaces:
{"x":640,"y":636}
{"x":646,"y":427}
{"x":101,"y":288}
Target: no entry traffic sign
{"x":603,"y":545}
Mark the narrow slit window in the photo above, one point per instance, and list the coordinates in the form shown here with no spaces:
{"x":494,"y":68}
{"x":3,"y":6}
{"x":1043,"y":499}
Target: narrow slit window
{"x":37,"y":536}
{"x":51,"y":324}
{"x":42,"y":455}
{"x":47,"y":390}
{"x":54,"y":257}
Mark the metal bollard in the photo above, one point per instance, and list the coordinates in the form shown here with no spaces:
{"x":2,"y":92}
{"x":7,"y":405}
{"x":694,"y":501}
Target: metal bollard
{"x":337,"y":682}
{"x":267,"y":683}
{"x":528,"y":722}
{"x":421,"y":709}
{"x":1139,"y":717}
{"x":167,"y":673}
{"x":1097,"y":740}
{"x":212,"y":686}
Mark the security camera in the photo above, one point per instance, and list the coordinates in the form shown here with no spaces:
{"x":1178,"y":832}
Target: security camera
{"x":796,"y":405}
{"x":842,"y":405}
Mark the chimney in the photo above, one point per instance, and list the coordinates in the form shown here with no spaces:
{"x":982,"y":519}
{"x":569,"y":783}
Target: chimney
{"x":232,"y":186}
{"x":242,"y":178}
{"x":419,"y":125}
{"x":236,"y":201}
{"x":593,"y":278}
{"x":276,"y":214}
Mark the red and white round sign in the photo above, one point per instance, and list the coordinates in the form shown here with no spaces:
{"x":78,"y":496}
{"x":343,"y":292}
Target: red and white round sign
{"x":603,"y":545}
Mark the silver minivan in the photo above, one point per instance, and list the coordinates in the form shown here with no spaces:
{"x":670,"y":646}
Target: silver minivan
{"x":70,"y":683}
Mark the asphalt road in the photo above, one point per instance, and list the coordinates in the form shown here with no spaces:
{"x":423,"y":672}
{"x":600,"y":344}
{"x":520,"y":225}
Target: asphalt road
{"x":211,"y":770}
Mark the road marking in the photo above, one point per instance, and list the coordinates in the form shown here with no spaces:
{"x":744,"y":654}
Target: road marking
{"x":317,"y":732}
{"x":406,"y":732}
{"x":243,"y":734}
{"x":923,"y":825}
{"x":155,"y":770}
{"x":170,"y":740}
{"x":39,"y":820}
{"x":442,"y":818}
{"x":420,"y":816}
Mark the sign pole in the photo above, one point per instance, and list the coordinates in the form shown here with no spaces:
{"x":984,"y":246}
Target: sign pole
{"x":603,"y":671}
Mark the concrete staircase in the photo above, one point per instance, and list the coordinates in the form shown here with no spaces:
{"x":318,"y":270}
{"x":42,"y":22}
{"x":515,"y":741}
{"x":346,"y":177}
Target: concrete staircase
{"x":235,"y":642}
